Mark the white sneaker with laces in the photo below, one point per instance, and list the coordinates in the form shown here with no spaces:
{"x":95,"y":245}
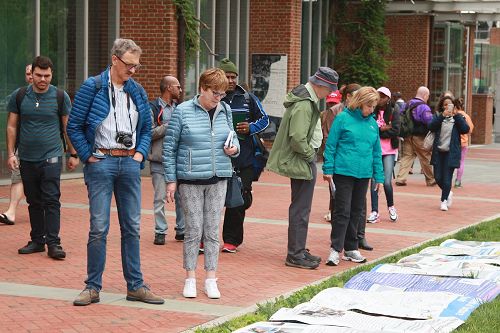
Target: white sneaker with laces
{"x":328,"y":217}
{"x":211,"y":288}
{"x":393,"y":215}
{"x":333,"y":258}
{"x":353,"y":256}
{"x":189,"y":288}
{"x":373,"y":217}
{"x":444,"y":205}
{"x":449,"y":201}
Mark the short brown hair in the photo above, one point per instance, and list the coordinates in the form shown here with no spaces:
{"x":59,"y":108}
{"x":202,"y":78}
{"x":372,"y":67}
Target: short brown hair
{"x":362,"y":96}
{"x":42,"y":63}
{"x":213,"y":78}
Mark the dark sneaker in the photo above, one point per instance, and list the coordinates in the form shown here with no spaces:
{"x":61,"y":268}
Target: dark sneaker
{"x":86,"y":297}
{"x":179,"y":237}
{"x":301,"y":263}
{"x":143,"y":294}
{"x":400,"y":184}
{"x":311,"y":257}
{"x":363,"y":244}
{"x":32,"y":247}
{"x":159,"y":239}
{"x":56,"y":252}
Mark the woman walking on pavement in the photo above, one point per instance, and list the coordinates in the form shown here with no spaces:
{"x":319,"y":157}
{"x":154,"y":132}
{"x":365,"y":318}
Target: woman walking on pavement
{"x":447,"y":125}
{"x":388,"y":124}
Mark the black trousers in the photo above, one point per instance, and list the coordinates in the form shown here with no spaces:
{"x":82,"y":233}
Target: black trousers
{"x":350,"y":211}
{"x":42,"y":188}
{"x":232,"y":230}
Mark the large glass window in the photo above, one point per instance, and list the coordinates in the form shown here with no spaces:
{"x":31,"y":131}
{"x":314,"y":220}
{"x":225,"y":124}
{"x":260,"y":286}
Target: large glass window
{"x":224,"y":33}
{"x":314,"y":31}
{"x":61,"y":36}
{"x":447,"y":60}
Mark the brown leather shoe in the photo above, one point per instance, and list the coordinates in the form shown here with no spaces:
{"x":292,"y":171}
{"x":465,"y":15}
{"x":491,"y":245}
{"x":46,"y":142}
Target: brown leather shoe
{"x":143,"y":294}
{"x":86,"y":297}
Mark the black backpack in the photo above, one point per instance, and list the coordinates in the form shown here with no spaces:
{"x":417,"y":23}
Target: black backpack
{"x":60,"y":104}
{"x":407,"y":123}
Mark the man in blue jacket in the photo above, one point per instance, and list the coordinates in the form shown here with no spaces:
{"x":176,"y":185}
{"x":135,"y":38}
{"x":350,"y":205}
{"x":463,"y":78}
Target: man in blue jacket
{"x":249,"y":118}
{"x":110,"y":128}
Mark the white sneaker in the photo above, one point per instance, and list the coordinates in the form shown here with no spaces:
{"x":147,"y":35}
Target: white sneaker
{"x":333,"y":258}
{"x":328,"y":217}
{"x":373,"y":217}
{"x":354,"y":256}
{"x":189,"y":288}
{"x":449,"y":201}
{"x":393,"y":215}
{"x":211,"y":288}
{"x":444,"y":205}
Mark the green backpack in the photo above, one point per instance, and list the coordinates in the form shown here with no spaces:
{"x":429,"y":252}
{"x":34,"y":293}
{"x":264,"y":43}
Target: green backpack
{"x":407,"y":125}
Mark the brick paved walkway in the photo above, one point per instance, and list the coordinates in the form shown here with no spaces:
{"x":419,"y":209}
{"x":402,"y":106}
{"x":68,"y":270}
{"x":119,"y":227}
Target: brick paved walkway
{"x":36,"y":292}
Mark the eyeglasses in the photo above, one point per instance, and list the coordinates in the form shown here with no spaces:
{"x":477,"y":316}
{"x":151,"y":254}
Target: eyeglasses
{"x":219,"y":94}
{"x":129,"y":66}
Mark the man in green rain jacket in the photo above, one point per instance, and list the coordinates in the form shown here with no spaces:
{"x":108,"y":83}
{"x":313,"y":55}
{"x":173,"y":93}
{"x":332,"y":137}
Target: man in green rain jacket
{"x":294,"y":155}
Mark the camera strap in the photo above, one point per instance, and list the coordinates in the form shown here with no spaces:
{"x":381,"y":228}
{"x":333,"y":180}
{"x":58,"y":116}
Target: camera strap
{"x":113,"y":101}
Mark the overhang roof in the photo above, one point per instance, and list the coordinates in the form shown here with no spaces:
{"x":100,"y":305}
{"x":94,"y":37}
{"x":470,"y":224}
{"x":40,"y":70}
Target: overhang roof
{"x":448,"y":10}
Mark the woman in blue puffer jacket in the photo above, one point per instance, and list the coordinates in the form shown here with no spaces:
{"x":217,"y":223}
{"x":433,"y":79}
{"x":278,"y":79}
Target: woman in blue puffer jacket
{"x":196,"y":158}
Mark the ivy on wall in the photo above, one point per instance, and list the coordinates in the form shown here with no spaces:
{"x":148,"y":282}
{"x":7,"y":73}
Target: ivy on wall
{"x":187,"y":18}
{"x":358,"y":42}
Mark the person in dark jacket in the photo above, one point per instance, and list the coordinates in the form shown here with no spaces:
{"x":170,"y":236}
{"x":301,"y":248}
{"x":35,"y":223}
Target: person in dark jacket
{"x":249,"y":118}
{"x":161,"y":112}
{"x":447,"y":125}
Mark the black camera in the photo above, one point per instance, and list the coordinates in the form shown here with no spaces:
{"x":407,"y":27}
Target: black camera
{"x":124,"y":138}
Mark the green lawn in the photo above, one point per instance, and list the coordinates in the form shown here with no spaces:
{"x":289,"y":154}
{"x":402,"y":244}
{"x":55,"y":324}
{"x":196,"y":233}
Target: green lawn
{"x":484,"y":319}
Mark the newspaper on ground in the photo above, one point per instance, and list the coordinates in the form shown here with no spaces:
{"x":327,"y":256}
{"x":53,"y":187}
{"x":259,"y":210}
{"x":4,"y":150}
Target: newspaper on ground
{"x":429,"y":258}
{"x":283,"y":327}
{"x":315,"y":314}
{"x":486,"y":290}
{"x":461,"y":251}
{"x":395,"y":303}
{"x":469,"y":244}
{"x":456,"y":268}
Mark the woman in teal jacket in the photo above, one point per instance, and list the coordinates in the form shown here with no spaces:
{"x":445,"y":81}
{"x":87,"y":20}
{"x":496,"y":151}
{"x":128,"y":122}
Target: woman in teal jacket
{"x":352,"y":156}
{"x":196,"y":157}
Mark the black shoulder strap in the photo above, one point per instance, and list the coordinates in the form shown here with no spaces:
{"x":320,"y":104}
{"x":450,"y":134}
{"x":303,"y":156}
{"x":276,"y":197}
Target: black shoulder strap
{"x":19,"y":98}
{"x":60,"y":106}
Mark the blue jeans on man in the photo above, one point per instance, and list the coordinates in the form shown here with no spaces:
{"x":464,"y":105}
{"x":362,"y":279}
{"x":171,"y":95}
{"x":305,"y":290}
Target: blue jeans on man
{"x":119,"y":176}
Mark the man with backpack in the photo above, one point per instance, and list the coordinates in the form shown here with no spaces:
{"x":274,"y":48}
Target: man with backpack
{"x":414,"y":120}
{"x":110,"y":127}
{"x":249,"y":118}
{"x":36,"y":126}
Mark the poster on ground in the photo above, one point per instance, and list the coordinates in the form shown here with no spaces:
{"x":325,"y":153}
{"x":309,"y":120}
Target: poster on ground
{"x":486,"y":290}
{"x":394,"y":303}
{"x":315,"y":314}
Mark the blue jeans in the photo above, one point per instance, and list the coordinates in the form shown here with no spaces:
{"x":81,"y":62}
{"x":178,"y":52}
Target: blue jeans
{"x":388,"y":164}
{"x":443,"y":174}
{"x":121,"y":176}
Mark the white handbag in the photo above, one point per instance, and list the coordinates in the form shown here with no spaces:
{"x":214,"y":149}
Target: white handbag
{"x":429,"y":141}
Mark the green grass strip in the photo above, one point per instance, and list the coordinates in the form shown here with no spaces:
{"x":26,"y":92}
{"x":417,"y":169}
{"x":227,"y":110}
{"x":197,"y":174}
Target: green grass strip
{"x":484,"y":319}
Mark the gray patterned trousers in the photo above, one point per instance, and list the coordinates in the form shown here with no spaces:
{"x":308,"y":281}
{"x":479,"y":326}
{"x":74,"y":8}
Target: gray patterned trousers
{"x":202,"y":206}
